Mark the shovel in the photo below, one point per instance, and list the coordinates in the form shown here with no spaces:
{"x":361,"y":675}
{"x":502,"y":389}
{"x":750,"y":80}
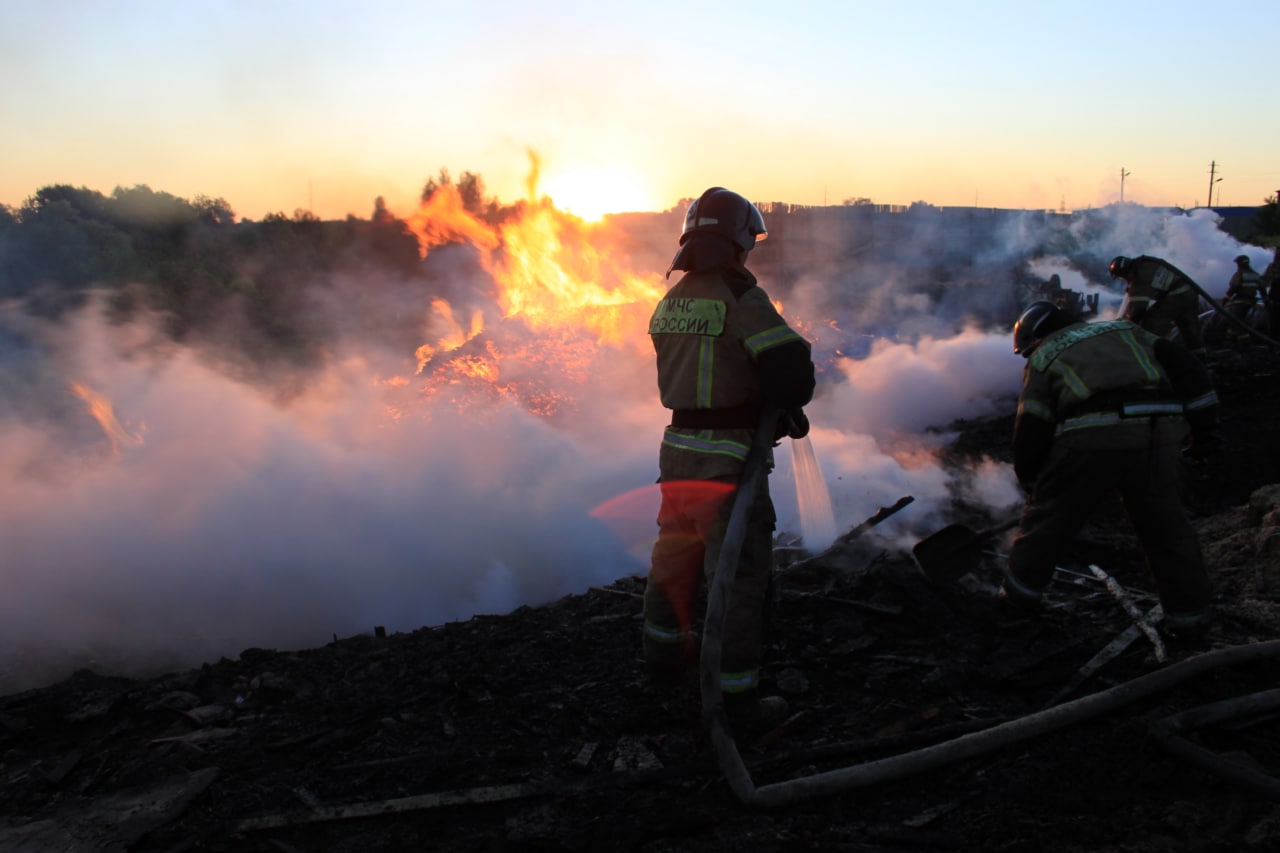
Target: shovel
{"x":955,"y":549}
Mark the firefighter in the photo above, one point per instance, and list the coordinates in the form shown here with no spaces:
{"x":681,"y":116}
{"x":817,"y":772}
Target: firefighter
{"x":1159,"y":296}
{"x":1242,"y":295}
{"x":1105,"y":408}
{"x":724,"y":356}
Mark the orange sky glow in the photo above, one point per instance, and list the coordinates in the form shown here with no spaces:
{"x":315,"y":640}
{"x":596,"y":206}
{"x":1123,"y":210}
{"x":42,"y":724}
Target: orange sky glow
{"x":284,"y":107}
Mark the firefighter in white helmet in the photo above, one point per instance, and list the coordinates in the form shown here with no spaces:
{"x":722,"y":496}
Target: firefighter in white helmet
{"x":724,"y":356}
{"x":1105,"y":408}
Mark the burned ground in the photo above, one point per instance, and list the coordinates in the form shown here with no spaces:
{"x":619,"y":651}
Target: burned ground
{"x":536,"y":730}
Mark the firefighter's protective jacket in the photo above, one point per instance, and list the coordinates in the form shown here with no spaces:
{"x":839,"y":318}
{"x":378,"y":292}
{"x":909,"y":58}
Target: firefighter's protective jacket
{"x":1150,"y":280}
{"x":724,"y":354}
{"x":1244,"y":287}
{"x":1099,"y":385}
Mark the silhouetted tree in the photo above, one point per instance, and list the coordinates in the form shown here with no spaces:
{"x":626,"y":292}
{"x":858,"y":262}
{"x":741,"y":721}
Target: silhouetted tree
{"x":60,"y":241}
{"x":215,"y":211}
{"x":194,"y":265}
{"x":381,"y":215}
{"x":470,"y":187}
{"x":444,"y":179}
{"x":471,"y":191}
{"x":390,"y":242}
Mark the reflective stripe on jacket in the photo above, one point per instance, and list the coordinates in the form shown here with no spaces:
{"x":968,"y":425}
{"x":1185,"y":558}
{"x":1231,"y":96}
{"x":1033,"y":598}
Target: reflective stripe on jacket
{"x":714,"y":442}
{"x":1078,"y":363}
{"x":1096,"y":375}
{"x":1101,"y":419}
{"x":708,"y":335}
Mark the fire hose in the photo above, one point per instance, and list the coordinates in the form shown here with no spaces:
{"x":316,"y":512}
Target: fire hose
{"x":1007,"y":733}
{"x":754,"y":472}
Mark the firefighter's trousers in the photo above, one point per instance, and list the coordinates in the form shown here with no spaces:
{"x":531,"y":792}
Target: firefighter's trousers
{"x":1182,"y":310}
{"x":691,"y":528}
{"x":1081,"y":472}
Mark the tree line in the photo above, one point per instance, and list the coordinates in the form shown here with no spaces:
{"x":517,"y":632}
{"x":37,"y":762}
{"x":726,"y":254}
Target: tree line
{"x":199,"y":268}
{"x":194,"y":264}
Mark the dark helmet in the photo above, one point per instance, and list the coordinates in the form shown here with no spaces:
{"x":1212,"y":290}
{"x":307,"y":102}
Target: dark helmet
{"x":721,"y":211}
{"x":1120,"y":266}
{"x":1242,"y":260}
{"x":1036,"y":322}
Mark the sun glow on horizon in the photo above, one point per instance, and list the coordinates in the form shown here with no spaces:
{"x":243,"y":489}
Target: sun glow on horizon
{"x":590,"y":193}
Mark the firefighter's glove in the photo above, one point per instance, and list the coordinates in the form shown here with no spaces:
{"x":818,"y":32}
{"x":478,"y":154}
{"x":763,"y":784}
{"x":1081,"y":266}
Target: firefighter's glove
{"x":793,"y":423}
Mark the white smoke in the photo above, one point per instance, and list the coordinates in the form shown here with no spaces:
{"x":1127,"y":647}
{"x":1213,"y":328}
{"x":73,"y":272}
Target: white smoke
{"x":235,"y":520}
{"x":1191,"y":241}
{"x":225,"y":514}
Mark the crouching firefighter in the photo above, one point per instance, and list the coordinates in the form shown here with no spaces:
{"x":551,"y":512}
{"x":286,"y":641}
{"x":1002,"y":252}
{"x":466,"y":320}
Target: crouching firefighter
{"x":725,"y":356}
{"x":1106,"y":408}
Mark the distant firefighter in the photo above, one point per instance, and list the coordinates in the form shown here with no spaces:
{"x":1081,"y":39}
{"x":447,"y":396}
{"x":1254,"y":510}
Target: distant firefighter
{"x":1242,"y":295}
{"x":1105,"y":408}
{"x":1160,"y":297}
{"x":725,"y":356}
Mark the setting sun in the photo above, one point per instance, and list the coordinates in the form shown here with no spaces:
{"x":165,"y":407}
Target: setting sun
{"x":591,"y":193}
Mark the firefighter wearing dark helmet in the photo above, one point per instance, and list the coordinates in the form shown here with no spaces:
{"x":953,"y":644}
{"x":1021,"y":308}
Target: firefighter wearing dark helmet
{"x":724,"y":356}
{"x":1243,"y":291}
{"x":1106,"y":408}
{"x":1159,"y":297}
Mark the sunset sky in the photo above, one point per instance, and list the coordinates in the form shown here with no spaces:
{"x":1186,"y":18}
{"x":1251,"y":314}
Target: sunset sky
{"x":279,"y":106}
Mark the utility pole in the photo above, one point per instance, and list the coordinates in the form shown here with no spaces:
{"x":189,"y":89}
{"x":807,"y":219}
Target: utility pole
{"x":1123,"y":175}
{"x":1213,"y":167}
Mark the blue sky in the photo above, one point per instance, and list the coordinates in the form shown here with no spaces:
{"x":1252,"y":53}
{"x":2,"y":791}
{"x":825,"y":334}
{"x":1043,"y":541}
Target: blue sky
{"x":277,"y":106}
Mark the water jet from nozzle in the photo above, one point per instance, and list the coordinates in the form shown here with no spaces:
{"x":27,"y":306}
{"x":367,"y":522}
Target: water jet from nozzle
{"x":817,"y":519}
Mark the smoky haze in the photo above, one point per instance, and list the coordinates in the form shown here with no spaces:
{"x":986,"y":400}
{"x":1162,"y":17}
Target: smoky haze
{"x":164,"y":505}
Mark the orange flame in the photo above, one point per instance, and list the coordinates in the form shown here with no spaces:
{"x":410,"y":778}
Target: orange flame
{"x":556,"y":276}
{"x":454,"y":336}
{"x":104,"y":413}
{"x":552,"y":274}
{"x":548,"y":265}
{"x":443,"y":218}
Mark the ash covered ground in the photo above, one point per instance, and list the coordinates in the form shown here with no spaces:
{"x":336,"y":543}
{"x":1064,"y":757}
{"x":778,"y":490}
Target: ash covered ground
{"x":536,"y":730}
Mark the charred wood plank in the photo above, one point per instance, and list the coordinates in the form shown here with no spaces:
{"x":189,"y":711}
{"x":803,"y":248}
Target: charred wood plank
{"x":447,"y":799}
{"x":845,"y":539}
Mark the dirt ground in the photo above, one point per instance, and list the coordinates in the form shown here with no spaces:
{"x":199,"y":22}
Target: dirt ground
{"x":538,"y":731}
